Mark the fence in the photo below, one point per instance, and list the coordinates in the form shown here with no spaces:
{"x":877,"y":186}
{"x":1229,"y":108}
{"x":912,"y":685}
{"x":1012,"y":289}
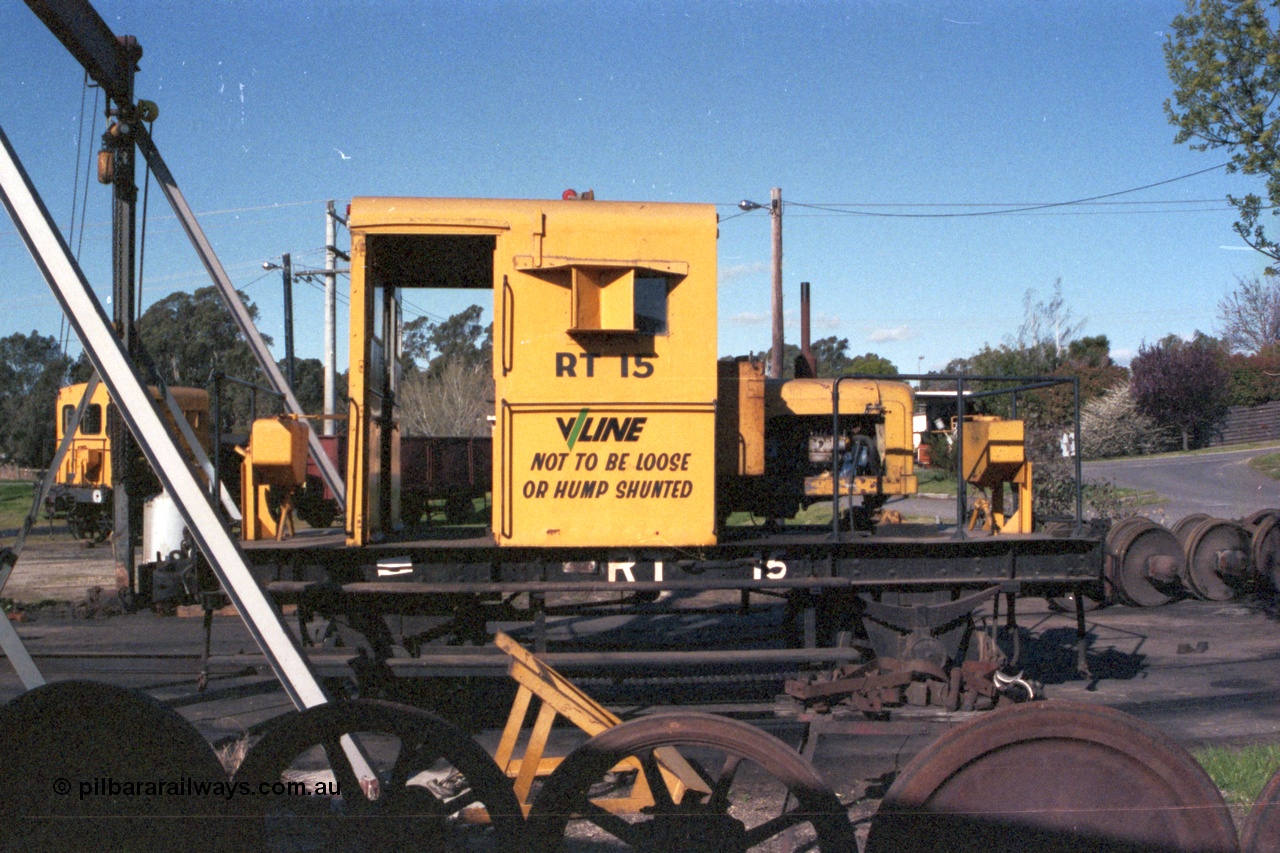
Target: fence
{"x":11,"y":471}
{"x":1250,"y":423}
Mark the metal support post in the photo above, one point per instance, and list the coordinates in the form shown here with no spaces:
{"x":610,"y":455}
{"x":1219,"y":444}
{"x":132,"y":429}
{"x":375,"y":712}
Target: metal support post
{"x":961,"y":491}
{"x":133,"y":401}
{"x":286,"y":271}
{"x":775,"y":215}
{"x":330,"y":318}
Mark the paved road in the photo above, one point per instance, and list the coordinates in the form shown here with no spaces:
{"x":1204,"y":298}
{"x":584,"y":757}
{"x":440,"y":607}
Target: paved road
{"x":1221,"y":484}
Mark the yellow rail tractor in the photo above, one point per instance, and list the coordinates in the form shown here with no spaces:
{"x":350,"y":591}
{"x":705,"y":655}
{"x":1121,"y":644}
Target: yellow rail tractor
{"x":622,"y":445}
{"x":82,"y":489}
{"x":614,"y":423}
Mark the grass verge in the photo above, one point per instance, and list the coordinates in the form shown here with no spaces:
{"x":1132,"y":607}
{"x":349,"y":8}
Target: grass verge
{"x":1268,"y":464}
{"x":1240,"y":772}
{"x":15,"y":502}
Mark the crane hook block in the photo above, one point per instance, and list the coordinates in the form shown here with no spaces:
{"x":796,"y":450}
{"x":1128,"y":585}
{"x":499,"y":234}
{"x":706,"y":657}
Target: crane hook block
{"x":106,"y":167}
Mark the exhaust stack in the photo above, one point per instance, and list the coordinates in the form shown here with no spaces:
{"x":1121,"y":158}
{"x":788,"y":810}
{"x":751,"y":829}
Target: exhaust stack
{"x":806,"y":351}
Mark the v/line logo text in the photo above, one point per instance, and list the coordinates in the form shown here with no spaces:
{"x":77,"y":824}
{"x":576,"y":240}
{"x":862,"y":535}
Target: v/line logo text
{"x":587,"y":428}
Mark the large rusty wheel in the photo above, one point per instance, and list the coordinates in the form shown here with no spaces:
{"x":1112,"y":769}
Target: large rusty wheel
{"x":1144,"y":561}
{"x":1053,"y":776}
{"x":1266,"y":550}
{"x":1219,"y":559}
{"x":755,"y":791}
{"x":92,"y":766}
{"x":429,"y":773}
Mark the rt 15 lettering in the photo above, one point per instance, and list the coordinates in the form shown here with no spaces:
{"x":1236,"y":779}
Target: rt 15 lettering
{"x":583,"y":365}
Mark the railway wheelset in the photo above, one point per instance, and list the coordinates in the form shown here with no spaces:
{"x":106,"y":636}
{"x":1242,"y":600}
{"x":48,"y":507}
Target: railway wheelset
{"x":1046,"y":775}
{"x":1202,"y":557}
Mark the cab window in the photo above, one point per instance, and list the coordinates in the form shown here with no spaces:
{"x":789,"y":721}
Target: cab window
{"x":651,"y":305}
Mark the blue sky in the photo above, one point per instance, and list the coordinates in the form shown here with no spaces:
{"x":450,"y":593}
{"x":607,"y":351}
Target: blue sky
{"x":887,"y":109}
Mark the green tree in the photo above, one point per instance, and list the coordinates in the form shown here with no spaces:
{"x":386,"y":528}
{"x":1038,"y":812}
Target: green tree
{"x":870,"y":364}
{"x":1255,"y":379}
{"x":192,"y":336}
{"x":1093,"y":351}
{"x":308,"y":387}
{"x":832,"y":355}
{"x":429,"y":346}
{"x":32,"y":369}
{"x":1046,"y":344}
{"x":1223,"y":57}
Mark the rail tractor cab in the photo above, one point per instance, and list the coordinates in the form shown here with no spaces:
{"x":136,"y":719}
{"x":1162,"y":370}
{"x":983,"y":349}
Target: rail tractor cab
{"x":82,"y":485}
{"x":615,"y":425}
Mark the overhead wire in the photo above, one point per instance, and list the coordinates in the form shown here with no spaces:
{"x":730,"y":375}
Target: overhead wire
{"x":848,"y":208}
{"x":64,"y":328}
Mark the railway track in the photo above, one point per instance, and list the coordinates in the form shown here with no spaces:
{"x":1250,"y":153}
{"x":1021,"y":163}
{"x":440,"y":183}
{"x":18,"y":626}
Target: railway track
{"x":1202,"y":672}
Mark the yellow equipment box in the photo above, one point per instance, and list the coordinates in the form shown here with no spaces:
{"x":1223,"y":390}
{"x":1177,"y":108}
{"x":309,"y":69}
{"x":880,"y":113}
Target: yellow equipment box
{"x":993,"y":450}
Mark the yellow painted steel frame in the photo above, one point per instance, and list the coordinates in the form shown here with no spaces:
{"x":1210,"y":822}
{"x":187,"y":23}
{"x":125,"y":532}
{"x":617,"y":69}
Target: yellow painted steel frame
{"x":560,"y":697}
{"x":604,"y":362}
{"x":994,"y":453}
{"x":275,"y":458}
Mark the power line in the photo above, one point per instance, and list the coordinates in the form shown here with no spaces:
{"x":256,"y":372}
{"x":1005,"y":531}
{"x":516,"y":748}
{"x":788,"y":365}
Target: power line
{"x":1059,"y":212}
{"x":846,"y":209}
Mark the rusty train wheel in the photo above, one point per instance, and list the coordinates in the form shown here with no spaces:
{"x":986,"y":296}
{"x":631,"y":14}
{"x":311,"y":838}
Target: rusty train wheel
{"x":1257,"y":518}
{"x":1144,"y":561}
{"x":749,"y":768}
{"x":103,"y":768}
{"x":1182,"y":527}
{"x":1266,"y":551}
{"x":1053,"y":776}
{"x":429,"y":773}
{"x":1219,"y":559}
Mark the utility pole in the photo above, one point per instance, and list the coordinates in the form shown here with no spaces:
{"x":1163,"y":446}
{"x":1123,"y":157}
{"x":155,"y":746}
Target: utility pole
{"x":330,"y":316}
{"x":775,"y":213}
{"x":286,"y":271}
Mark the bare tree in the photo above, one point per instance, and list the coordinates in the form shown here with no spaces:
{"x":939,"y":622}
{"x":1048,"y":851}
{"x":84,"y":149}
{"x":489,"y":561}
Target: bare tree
{"x":1249,"y":316}
{"x":1047,"y":324}
{"x":454,"y":400}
